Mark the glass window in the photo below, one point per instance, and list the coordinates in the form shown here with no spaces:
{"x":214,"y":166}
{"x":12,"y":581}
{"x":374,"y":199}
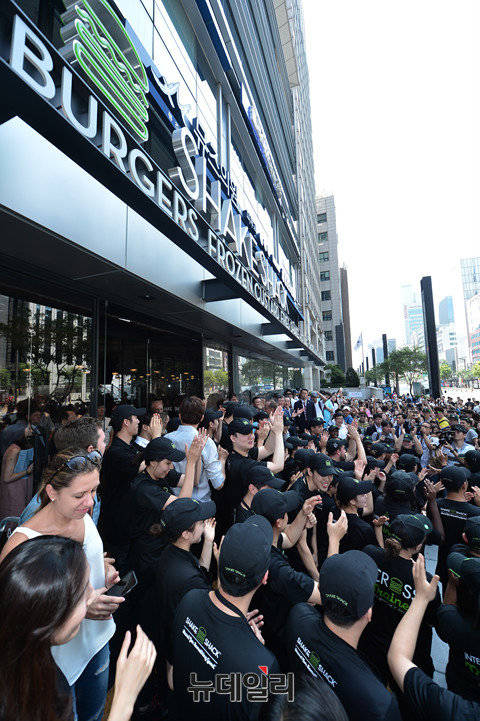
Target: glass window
{"x":324,"y":256}
{"x":328,"y":335}
{"x":258,"y":376}
{"x":45,"y":353}
{"x":321,"y":218}
{"x":215,"y":371}
{"x":326,"y":294}
{"x":327,"y":315}
{"x":323,"y":237}
{"x":330,"y":355}
{"x":325,"y":275}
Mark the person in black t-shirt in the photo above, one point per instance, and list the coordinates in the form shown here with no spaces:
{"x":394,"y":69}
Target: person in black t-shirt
{"x":425,"y":698}
{"x":351,"y":496}
{"x":324,"y":640}
{"x":120,"y":465}
{"x":214,"y":633}
{"x":398,"y":496}
{"x":285,"y":586}
{"x":150,"y":494}
{"x":454,"y":511}
{"x":184,"y":522}
{"x":459,"y":625}
{"x":243,"y":457}
{"x":255,"y":479}
{"x":394,"y":591}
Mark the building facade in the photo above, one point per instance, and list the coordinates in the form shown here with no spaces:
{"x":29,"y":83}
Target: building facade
{"x":346,"y":316}
{"x":331,"y":293}
{"x":470,"y":270}
{"x":289,"y":16}
{"x":413,"y":316}
{"x":445,"y":311}
{"x":151,"y":192}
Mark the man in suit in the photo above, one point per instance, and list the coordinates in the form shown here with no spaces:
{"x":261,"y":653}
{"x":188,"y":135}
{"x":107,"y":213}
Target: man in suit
{"x":303,"y":411}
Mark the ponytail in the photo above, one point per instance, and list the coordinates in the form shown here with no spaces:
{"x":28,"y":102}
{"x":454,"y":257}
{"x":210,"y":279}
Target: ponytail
{"x":392,"y":546}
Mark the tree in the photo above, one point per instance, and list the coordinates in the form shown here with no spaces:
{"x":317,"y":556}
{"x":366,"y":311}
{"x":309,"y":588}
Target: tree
{"x":414,"y":365}
{"x":445,"y":371}
{"x":476,"y":370}
{"x":375,"y":374}
{"x":351,"y":378}
{"x":337,"y":376}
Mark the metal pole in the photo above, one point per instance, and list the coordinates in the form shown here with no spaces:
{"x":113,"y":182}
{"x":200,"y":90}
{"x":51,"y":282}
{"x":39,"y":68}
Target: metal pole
{"x":385,"y":357}
{"x":374,"y":363}
{"x":430,"y":336}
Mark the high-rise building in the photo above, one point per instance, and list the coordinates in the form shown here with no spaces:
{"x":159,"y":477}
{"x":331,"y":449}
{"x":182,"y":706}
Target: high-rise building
{"x":346,"y":316}
{"x":470,"y":269}
{"x":331,"y":296}
{"x":445,"y":311}
{"x":413,"y":315}
{"x":289,"y":16}
{"x":191,"y":147}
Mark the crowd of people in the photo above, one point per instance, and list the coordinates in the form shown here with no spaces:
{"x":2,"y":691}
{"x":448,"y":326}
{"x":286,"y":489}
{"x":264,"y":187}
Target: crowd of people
{"x":231,"y":559}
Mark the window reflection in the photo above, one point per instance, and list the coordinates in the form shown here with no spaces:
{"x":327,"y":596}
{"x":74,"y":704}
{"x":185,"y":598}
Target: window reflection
{"x":258,"y":375}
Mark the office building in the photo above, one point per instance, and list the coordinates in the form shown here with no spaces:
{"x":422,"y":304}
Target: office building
{"x":445,"y":311}
{"x":149,"y":198}
{"x":289,"y":16}
{"x":413,"y":315}
{"x":331,"y":294}
{"x":447,"y":342}
{"x":346,"y":316}
{"x":472,"y":313}
{"x":470,"y":269}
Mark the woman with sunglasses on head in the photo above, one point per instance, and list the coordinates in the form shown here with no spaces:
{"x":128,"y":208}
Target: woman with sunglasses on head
{"x":45,"y":593}
{"x":68,"y":490}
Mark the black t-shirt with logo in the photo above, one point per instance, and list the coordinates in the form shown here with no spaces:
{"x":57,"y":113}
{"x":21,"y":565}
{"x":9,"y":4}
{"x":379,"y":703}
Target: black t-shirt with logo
{"x":394,"y":592}
{"x":463,"y":668}
{"x":359,"y":534}
{"x":208,"y":642}
{"x":453,"y":514}
{"x":176,"y":573}
{"x":285,"y":587}
{"x":430,"y":702}
{"x":147,"y":499}
{"x":312,"y":646}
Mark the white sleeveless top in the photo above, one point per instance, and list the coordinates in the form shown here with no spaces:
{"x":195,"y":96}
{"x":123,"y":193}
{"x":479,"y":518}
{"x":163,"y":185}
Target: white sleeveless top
{"x":72,"y":657}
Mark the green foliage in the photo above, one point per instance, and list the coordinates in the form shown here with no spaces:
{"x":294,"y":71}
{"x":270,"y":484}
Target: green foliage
{"x":445,"y":371}
{"x":351,"y":378}
{"x":215,"y":379}
{"x":476,"y":370}
{"x":337,"y":376}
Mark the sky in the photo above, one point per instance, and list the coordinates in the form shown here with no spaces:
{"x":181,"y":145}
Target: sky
{"x":394,"y":90}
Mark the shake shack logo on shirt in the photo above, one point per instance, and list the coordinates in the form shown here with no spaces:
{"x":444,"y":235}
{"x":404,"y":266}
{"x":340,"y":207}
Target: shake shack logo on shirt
{"x":393,"y":591}
{"x":312,"y":662}
{"x":453,"y":513}
{"x":472,"y":664}
{"x":197,"y":636}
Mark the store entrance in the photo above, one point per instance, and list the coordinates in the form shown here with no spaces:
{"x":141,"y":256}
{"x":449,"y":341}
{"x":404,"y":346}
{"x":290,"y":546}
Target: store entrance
{"x":139,"y":361}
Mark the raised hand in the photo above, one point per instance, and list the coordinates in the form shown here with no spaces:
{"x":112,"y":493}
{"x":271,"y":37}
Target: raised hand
{"x":424,"y":590}
{"x":337,"y":529}
{"x":209,"y":530}
{"x":132,"y":671}
{"x":194,"y":452}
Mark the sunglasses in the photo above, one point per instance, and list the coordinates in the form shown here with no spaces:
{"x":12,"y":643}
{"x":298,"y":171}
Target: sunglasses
{"x":79,"y":463}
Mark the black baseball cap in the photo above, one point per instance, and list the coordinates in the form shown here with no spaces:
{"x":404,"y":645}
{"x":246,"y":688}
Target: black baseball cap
{"x":333,"y":444}
{"x":348,"y":488}
{"x":294,"y":442}
{"x":240,"y":425}
{"x":259,"y":475}
{"x":374,"y":463}
{"x":243,"y":411}
{"x":468,"y":569}
{"x":322,"y":464}
{"x":453,"y":477}
{"x":160,"y":448}
{"x":211,"y":415}
{"x":472,"y":460}
{"x":347,"y":580}
{"x":181,"y":514}
{"x":122,"y":412}
{"x":302,"y":457}
{"x":407,"y":462}
{"x":399,"y":485}
{"x":378,"y":449}
{"x":316,"y":422}
{"x":274,"y":505}
{"x":260,"y":415}
{"x":410,"y":529}
{"x":458,"y":427}
{"x":245,"y":555}
{"x":472,"y":532}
